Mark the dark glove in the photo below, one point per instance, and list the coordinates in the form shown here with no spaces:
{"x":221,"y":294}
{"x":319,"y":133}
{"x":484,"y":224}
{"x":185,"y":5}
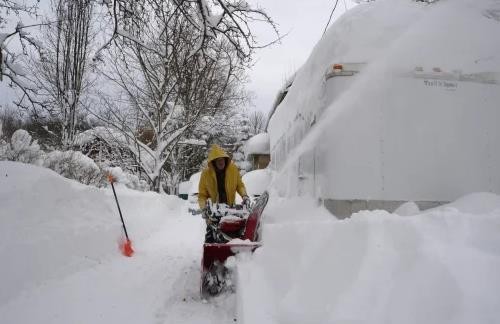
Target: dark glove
{"x":246,"y":202}
{"x":205,"y":212}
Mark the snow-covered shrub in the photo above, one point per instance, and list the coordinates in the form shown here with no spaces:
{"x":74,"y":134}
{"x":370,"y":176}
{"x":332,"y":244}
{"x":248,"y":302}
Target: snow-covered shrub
{"x":75,"y":165}
{"x":3,"y":149}
{"x":244,"y":166}
{"x":3,"y":143}
{"x":22,"y":148}
{"x":135,"y":183}
{"x":70,"y":164}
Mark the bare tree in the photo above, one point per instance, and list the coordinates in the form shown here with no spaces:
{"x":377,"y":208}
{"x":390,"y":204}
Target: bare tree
{"x":228,"y":19}
{"x":62,"y":66}
{"x":257,"y":122}
{"x":10,"y":120}
{"x":10,"y":67}
{"x":166,"y":87}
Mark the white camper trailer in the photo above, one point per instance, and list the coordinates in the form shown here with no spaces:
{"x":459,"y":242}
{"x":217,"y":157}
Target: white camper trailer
{"x":389,"y":109}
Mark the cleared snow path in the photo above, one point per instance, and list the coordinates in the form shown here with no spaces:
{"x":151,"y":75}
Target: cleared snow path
{"x":96,"y":284}
{"x":159,"y":284}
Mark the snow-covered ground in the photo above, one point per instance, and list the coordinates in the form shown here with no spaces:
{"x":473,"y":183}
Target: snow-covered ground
{"x":58,"y":238}
{"x":438,"y":266}
{"x":60,"y":262}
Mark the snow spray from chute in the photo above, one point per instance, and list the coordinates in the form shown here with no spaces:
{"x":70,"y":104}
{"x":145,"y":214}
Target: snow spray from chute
{"x":379,"y":65}
{"x":334,"y":111}
{"x":125,"y":245}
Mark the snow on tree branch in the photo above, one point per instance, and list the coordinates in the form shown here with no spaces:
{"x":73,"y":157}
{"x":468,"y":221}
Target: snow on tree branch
{"x":8,"y":8}
{"x":228,"y":19}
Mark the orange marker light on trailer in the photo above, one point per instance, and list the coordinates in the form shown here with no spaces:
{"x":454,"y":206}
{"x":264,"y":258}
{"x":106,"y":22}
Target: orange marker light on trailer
{"x":337,"y":67}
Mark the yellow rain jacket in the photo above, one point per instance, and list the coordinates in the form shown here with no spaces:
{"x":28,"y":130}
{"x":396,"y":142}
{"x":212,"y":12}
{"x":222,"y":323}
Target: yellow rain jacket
{"x":207,"y":187}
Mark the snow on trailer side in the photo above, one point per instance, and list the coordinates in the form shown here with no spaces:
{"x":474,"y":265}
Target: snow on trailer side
{"x":406,"y":110}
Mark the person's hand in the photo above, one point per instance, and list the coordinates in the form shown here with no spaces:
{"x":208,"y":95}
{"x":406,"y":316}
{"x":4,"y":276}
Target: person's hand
{"x":204,"y":212}
{"x":246,"y":202}
{"x":206,"y":216}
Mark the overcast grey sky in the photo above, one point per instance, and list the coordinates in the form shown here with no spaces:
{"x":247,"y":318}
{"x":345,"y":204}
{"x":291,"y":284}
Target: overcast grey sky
{"x":304,"y":22}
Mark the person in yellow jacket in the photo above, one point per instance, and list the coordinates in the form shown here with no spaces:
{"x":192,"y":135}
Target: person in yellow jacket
{"x":220,"y":180}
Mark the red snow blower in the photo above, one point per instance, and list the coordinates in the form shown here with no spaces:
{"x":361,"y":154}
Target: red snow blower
{"x":230,"y":231}
{"x":125,"y":245}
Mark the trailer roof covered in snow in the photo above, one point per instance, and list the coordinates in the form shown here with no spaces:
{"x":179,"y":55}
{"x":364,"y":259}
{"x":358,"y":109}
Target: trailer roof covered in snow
{"x":416,"y":117}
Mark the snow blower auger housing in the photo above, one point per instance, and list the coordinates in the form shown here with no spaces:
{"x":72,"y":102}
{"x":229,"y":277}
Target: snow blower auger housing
{"x":232,"y":230}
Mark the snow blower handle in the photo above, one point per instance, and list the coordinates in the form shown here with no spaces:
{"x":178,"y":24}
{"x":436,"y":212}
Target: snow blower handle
{"x":125,"y":247}
{"x":247,"y":202}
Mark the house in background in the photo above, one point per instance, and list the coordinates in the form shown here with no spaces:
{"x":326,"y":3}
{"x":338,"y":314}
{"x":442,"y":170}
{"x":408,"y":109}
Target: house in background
{"x":257,"y":151}
{"x":257,"y":155}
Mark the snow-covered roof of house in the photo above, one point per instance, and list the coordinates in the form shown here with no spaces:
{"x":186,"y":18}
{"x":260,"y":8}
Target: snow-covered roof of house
{"x":259,"y":144}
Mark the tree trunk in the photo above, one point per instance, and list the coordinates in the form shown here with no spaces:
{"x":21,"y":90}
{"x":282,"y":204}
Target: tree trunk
{"x":72,"y":40}
{"x":157,"y":184}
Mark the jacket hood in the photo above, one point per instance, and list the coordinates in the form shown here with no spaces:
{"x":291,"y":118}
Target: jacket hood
{"x":216,"y":152}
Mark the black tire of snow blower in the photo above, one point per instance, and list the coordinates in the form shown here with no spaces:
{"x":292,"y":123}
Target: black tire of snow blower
{"x":215,"y":280}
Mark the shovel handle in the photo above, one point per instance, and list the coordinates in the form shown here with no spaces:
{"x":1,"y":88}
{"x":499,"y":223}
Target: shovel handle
{"x":112,"y":180}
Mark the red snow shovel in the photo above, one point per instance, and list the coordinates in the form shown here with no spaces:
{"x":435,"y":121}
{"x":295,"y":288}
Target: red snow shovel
{"x":125,"y":246}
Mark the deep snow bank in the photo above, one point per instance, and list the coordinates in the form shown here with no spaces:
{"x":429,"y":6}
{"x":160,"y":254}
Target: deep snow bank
{"x":51,"y":227}
{"x":257,"y":181}
{"x":60,"y":263}
{"x":440,"y":266}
